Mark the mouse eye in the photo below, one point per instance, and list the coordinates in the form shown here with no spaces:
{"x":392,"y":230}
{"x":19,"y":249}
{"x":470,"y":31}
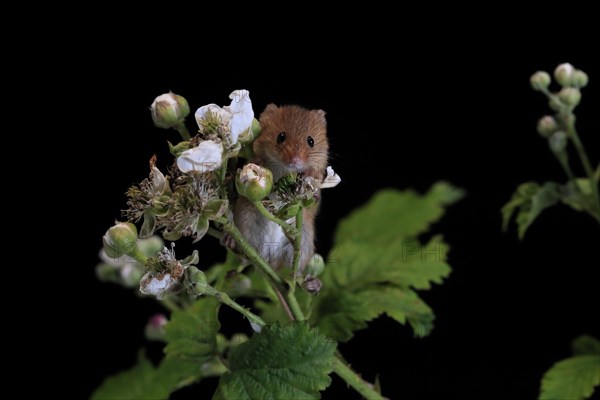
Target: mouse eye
{"x":310,"y":141}
{"x":281,"y":137}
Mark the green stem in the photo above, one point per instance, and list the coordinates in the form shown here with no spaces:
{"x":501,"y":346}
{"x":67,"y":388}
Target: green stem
{"x":183,"y":131}
{"x":297,"y":248}
{"x":353,"y":379}
{"x":289,"y":231}
{"x":572,"y":133}
{"x":339,"y":367}
{"x":225,"y":299}
{"x":251,"y":253}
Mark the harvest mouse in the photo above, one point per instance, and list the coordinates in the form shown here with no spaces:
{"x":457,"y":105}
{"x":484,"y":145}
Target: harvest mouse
{"x":292,"y":139}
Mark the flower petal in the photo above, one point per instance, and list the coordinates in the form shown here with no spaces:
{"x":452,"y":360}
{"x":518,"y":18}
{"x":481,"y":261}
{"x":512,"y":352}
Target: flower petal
{"x":331,"y":180}
{"x":242,"y":113}
{"x":207,"y":156}
{"x":214,"y":109}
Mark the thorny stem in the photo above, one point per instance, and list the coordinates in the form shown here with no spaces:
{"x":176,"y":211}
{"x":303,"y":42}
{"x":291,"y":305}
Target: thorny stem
{"x":289,"y":231}
{"x":353,"y":379}
{"x":339,"y":367}
{"x":251,"y":253}
{"x":572,"y":133}
{"x":297,"y":249}
{"x":225,"y":299}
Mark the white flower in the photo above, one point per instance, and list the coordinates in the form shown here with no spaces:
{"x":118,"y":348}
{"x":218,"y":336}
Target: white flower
{"x":237,"y":116}
{"x":207,"y":156}
{"x":157,"y":285}
{"x":331,"y":180}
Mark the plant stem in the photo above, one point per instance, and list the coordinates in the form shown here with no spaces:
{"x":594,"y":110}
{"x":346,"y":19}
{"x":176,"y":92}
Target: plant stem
{"x":251,"y":253}
{"x":297,"y":249}
{"x":225,"y":299}
{"x":339,"y":367}
{"x":572,"y":133}
{"x":289,"y":231}
{"x":183,"y":131}
{"x":353,"y":379}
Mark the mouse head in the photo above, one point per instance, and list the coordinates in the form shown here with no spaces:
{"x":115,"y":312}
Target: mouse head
{"x":292,"y":139}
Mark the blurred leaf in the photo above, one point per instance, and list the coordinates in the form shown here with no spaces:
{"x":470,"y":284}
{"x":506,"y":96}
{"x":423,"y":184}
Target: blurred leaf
{"x":586,"y":345}
{"x":530,"y":199}
{"x":144,"y":381}
{"x":377,"y":262}
{"x":573,"y":378}
{"x":192,"y":332}
{"x":291,"y":362}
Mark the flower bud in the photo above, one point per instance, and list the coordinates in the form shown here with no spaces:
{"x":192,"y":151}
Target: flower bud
{"x":563,"y":74}
{"x":197,"y":282}
{"x":150,"y":246}
{"x":155,"y":328}
{"x":547,"y":126}
{"x":316,"y":265}
{"x":570,"y":96}
{"x":254,"y":182}
{"x":579,"y":78}
{"x":169,"y":110}
{"x":540,"y":80}
{"x":120,"y":239}
{"x":558,"y":142}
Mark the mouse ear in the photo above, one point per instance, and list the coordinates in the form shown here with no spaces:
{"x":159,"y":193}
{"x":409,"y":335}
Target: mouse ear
{"x":269,"y":109}
{"x":321,"y":115}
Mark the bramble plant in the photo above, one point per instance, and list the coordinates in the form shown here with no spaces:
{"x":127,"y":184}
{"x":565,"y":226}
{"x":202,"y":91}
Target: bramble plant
{"x":298,"y":317}
{"x":575,"y":377}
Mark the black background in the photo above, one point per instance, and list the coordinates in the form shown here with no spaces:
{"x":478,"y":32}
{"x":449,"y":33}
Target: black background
{"x":403,"y":117}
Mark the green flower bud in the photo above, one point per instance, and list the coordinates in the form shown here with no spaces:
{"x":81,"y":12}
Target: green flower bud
{"x":120,"y":239}
{"x":563,"y":74}
{"x":150,"y":246}
{"x":570,"y":96}
{"x":540,"y":80}
{"x":197,"y":282}
{"x":547,"y":126}
{"x":558,"y":142}
{"x":579,"y":78}
{"x":254,"y":182}
{"x":169,"y":110}
{"x":316,"y":265}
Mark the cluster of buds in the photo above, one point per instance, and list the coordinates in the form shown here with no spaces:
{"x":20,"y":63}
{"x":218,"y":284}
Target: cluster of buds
{"x":553,"y":128}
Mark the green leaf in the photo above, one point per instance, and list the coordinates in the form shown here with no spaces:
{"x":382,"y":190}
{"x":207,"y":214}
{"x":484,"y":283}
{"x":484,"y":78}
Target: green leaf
{"x":192,"y":333}
{"x":291,"y":362}
{"x":392,"y":213}
{"x":578,"y":195}
{"x":530,"y":199}
{"x":144,"y":381}
{"x":586,"y":345}
{"x":378,"y":262}
{"x":573,"y":378}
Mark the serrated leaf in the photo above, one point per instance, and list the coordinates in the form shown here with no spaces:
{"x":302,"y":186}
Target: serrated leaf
{"x":410,"y":213}
{"x":377,"y":262}
{"x":573,"y":378}
{"x":586,"y":345}
{"x":290,"y":362}
{"x":530,"y":199}
{"x":144,"y":381}
{"x":192,"y":333}
{"x":578,"y":194}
